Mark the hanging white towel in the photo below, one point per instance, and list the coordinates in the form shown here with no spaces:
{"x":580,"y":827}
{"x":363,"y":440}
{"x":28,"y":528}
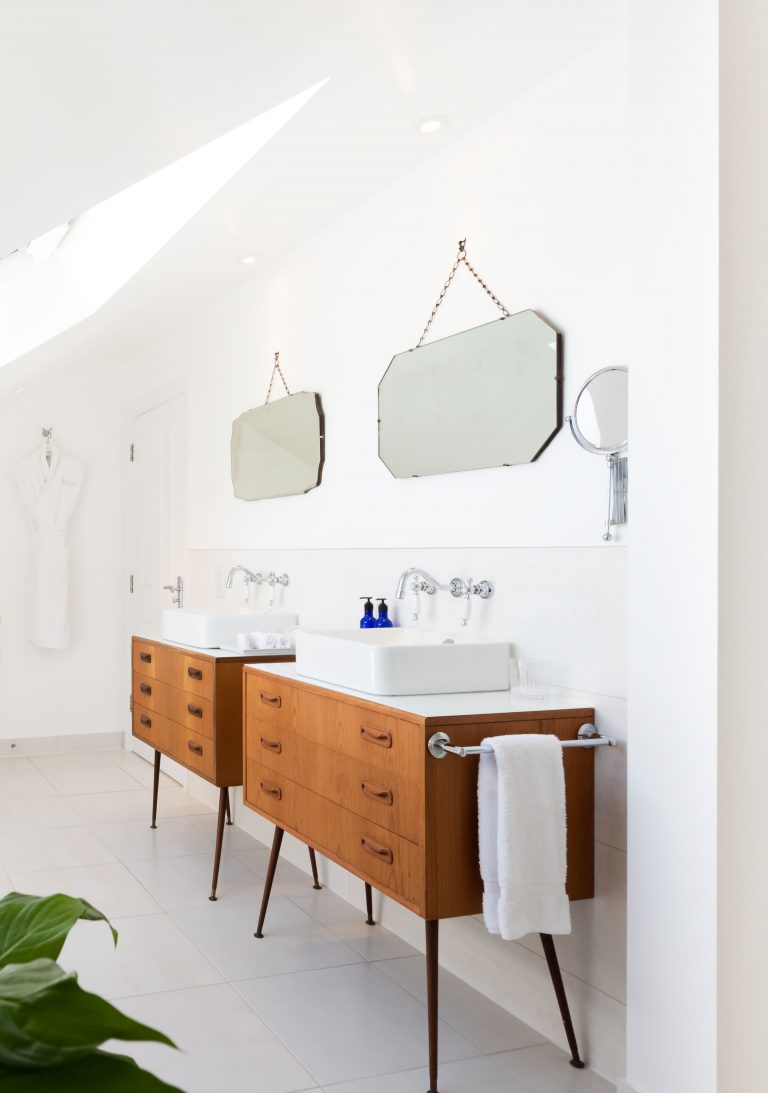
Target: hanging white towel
{"x":50,"y":491}
{"x":522,"y":836}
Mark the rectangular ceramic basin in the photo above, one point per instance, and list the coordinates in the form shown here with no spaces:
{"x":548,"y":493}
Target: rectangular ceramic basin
{"x":402,"y":661}
{"x":216,"y":630}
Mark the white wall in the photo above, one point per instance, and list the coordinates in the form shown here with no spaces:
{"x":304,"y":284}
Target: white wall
{"x":743,"y":862}
{"x":540,"y":192}
{"x":671,"y":996}
{"x":46,"y":692}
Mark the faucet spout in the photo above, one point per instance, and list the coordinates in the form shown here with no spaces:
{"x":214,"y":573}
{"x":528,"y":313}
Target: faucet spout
{"x":250,"y":577}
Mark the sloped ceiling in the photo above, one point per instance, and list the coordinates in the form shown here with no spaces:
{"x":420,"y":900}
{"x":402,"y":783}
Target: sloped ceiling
{"x":98,"y":95}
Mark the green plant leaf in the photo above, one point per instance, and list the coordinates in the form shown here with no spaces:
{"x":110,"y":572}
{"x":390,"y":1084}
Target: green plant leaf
{"x":47,"y":1019}
{"x":37,"y":926}
{"x":94,"y":1074}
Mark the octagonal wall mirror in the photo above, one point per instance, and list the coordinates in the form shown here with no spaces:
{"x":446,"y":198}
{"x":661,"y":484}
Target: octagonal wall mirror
{"x":599,"y":424}
{"x":278,"y":449}
{"x":487,"y":397}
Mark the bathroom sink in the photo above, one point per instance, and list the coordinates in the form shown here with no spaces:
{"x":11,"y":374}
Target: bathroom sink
{"x":401,"y":661}
{"x":214,"y":630}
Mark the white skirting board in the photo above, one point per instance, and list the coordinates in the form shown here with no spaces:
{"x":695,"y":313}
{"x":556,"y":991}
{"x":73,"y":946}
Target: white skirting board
{"x":623,"y":1086}
{"x":521,"y":985}
{"x":50,"y":745}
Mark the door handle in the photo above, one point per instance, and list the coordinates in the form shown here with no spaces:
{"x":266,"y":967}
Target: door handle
{"x":376,"y":850}
{"x":272,"y":790}
{"x":377,"y":793}
{"x":195,"y":673}
{"x":196,"y":748}
{"x":196,"y":711}
{"x":376,"y":736}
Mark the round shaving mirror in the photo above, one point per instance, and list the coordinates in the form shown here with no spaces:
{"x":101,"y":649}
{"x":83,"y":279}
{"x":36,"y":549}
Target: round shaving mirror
{"x":599,"y":424}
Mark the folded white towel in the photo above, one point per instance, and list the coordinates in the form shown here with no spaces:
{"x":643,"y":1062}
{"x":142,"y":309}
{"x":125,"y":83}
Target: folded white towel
{"x":263,"y":639}
{"x":522,"y":836}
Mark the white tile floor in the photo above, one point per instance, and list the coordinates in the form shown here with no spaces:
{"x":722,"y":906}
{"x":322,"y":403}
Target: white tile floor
{"x":324,"y":1002}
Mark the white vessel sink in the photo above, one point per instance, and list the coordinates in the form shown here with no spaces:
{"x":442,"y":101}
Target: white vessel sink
{"x":401,"y":661}
{"x":214,"y":630}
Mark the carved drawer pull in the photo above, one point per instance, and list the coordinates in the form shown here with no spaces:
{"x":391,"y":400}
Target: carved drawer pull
{"x":271,"y":700}
{"x":196,"y":711}
{"x":196,"y":748}
{"x":146,"y":721}
{"x":145,"y":689}
{"x":271,"y":745}
{"x":376,"y":850}
{"x":145,"y":658}
{"x":272,"y":790}
{"x":377,"y":793}
{"x":195,"y":673}
{"x":376,"y":736}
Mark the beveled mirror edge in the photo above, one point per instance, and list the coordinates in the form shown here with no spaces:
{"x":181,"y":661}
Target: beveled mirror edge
{"x":578,"y":436}
{"x":560,"y":420}
{"x":321,"y":458}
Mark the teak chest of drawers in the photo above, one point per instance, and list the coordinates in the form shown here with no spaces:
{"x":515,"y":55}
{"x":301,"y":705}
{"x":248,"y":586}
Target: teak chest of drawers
{"x":188,"y":705}
{"x":354,"y":779}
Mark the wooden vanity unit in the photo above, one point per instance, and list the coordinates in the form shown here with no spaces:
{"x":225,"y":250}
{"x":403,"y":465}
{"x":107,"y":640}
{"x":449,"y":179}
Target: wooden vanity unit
{"x":188,"y":704}
{"x":352,"y":776}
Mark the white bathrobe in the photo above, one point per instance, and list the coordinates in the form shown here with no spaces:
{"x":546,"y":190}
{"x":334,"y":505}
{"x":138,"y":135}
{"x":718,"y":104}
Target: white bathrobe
{"x":50,"y":494}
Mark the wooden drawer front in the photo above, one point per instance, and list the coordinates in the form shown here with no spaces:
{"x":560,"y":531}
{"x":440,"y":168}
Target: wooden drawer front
{"x":189,"y":710}
{"x":192,"y":750}
{"x":194,"y":675}
{"x":152,"y":660}
{"x":152,"y":727}
{"x":376,"y":739}
{"x":270,"y":699}
{"x":388,"y":800}
{"x":270,"y":794}
{"x":368,"y":850}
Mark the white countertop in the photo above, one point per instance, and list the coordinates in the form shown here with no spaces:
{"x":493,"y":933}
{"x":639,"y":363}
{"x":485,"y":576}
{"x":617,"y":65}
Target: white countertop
{"x":466,"y":704}
{"x":147,"y":635}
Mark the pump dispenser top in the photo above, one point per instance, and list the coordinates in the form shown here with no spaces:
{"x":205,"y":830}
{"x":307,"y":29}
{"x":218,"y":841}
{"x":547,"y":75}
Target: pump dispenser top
{"x":367,"y":621}
{"x":383,"y":619}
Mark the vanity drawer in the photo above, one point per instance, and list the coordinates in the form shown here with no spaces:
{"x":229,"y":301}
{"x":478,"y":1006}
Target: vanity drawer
{"x":271,"y":794}
{"x":152,"y":660}
{"x":186,"y":709}
{"x":270,"y":699}
{"x":151,"y":727}
{"x":377,"y":795}
{"x":194,"y":675}
{"x":377,"y":739}
{"x":193,"y":751}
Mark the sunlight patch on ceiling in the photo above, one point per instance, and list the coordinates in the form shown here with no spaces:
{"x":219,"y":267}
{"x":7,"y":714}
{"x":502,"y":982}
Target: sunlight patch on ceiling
{"x":64,"y":276}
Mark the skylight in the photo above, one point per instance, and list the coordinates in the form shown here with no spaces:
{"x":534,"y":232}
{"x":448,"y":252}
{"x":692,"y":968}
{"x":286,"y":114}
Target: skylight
{"x":64,"y":276}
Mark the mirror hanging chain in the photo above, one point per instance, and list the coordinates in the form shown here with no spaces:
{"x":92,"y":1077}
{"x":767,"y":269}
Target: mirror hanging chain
{"x":461,"y":257}
{"x":276,"y":368}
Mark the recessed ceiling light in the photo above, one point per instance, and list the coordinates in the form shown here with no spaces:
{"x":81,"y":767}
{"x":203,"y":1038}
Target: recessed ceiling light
{"x":248,"y":260}
{"x":432,"y":124}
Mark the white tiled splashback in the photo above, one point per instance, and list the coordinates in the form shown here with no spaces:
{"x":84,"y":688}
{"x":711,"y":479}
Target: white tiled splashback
{"x":562,"y":607}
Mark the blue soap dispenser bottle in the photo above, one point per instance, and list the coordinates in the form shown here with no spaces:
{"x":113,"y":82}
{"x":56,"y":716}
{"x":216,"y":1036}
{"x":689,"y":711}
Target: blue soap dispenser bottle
{"x":383,"y":619}
{"x":367,"y":621}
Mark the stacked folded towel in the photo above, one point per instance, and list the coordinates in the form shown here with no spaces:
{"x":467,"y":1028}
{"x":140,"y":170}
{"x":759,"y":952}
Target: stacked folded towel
{"x":263,"y":639}
{"x":522,"y":836}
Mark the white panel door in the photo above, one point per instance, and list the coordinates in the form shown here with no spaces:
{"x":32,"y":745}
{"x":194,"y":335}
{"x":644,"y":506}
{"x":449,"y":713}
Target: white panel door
{"x":157,"y":522}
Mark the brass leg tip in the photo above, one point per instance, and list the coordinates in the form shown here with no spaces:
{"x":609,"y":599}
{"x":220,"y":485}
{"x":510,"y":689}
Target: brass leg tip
{"x":257,"y":934}
{"x":213,"y":897}
{"x":370,"y":922}
{"x":578,"y":1064}
{"x":153,"y":827}
{"x":317,"y":887}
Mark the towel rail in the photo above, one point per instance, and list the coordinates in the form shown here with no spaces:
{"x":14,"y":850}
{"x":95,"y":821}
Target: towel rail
{"x":439,"y":744}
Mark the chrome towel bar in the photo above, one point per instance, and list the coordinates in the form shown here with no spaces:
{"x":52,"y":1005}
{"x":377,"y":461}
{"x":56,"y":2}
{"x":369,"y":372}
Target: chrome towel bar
{"x":440,"y":745}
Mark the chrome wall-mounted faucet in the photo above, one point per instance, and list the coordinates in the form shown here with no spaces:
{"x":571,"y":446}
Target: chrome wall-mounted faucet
{"x":418,"y":580}
{"x":249,"y":576}
{"x":178,"y":592}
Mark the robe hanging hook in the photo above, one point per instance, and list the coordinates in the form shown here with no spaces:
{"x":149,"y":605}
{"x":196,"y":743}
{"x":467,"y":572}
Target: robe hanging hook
{"x":47,"y":433}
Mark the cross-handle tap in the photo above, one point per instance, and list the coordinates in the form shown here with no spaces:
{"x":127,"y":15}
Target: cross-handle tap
{"x":272,"y":581}
{"x":418,"y":580}
{"x":248,"y":575}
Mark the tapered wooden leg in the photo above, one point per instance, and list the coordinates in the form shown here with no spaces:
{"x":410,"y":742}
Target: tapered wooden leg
{"x":223,"y":796}
{"x":229,"y":813}
{"x":155,"y":788}
{"x":370,"y":921}
{"x":313,"y":862}
{"x":431,"y":925}
{"x":557,"y":982}
{"x":273,"y":857}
